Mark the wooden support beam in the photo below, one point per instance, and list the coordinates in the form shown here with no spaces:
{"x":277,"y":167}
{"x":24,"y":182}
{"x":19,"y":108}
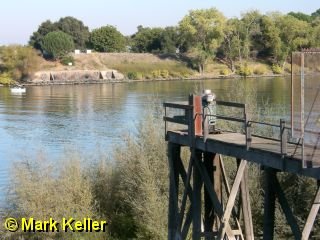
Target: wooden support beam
{"x":173,"y":156}
{"x":269,"y":204}
{"x":187,"y":189}
{"x":196,"y":198}
{"x":246,"y":206}
{"x":287,"y":210}
{"x":227,"y":189}
{"x":312,"y":216}
{"x":213,"y":196}
{"x":214,"y":172}
{"x":231,"y":199}
{"x":187,"y":223}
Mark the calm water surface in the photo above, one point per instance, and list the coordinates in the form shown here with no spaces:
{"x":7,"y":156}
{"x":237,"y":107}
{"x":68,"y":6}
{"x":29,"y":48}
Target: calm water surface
{"x":51,"y":119}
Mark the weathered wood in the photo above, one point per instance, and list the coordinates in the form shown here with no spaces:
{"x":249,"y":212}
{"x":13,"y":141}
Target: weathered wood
{"x":208,"y":206}
{"x":283,"y":137}
{"x":178,"y":106}
{"x":231,"y":199}
{"x":213,"y":196}
{"x":227,"y":189}
{"x":212,"y":165}
{"x":287,"y":210}
{"x":312,"y":216}
{"x":173,"y":156}
{"x":217,"y":185}
{"x":246,"y":207}
{"x":187,"y":190}
{"x":264,"y":152}
{"x":196,"y":198}
{"x":269,"y":204}
{"x":231,"y":104}
{"x":187,"y":223}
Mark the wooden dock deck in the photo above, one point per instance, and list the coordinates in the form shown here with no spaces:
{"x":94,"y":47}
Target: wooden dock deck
{"x":262,"y":151}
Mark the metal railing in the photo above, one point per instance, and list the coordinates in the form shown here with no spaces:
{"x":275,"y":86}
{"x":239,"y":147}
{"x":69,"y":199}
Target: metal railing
{"x":189,"y":117}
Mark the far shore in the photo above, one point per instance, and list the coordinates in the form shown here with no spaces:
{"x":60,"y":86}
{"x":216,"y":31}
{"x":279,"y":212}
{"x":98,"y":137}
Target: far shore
{"x":92,"y":81}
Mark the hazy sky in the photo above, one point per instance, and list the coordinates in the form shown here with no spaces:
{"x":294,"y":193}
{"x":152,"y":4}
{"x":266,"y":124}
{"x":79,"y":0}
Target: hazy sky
{"x":19,"y":18}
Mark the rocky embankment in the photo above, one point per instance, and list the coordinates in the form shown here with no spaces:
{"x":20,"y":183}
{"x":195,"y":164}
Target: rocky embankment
{"x":75,"y":76}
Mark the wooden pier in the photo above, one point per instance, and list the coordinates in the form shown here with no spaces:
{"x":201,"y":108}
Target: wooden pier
{"x":207,"y":201}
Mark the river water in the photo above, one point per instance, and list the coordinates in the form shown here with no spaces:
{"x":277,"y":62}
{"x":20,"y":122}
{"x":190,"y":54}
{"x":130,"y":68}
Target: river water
{"x":49,"y":120}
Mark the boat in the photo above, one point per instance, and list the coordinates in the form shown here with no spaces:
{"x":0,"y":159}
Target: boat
{"x":18,"y":89}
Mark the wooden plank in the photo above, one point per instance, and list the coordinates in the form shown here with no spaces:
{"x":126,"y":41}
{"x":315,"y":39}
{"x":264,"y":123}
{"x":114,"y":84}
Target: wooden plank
{"x":231,"y":199}
{"x":269,"y":204}
{"x":196,"y":198}
{"x":175,"y":120}
{"x":287,"y":210}
{"x":213,"y":196}
{"x":178,"y":106}
{"x":187,"y":224}
{"x":246,"y":206}
{"x":267,"y":155}
{"x":208,"y":206}
{"x":227,"y":189}
{"x":173,"y":155}
{"x":233,"y":119}
{"x":231,"y":104}
{"x":187,"y":191}
{"x":312,"y":216}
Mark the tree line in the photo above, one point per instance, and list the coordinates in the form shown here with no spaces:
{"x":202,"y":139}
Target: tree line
{"x":201,"y":35}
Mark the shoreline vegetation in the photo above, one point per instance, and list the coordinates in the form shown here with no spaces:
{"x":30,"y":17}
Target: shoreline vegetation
{"x":136,"y":67}
{"x":204,"y":44}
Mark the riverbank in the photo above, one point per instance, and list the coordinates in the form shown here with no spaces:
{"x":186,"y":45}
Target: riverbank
{"x":127,"y":67}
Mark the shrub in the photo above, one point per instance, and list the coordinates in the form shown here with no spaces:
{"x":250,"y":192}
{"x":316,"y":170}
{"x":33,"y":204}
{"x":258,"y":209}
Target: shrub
{"x":66,"y":60}
{"x":19,"y":62}
{"x":5,"y":79}
{"x":276,"y":69}
{"x":135,"y":75}
{"x":244,"y":70}
{"x":42,"y":189}
{"x":175,"y":74}
{"x":156,"y":74}
{"x":260,"y":70}
{"x":164,"y":73}
{"x":224,"y":72}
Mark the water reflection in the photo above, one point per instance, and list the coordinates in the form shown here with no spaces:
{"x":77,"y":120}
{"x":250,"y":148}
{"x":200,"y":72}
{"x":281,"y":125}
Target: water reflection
{"x":51,"y":118}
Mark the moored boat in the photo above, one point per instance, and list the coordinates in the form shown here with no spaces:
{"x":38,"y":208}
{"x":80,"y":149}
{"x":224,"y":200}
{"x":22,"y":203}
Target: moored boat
{"x":18,"y":89}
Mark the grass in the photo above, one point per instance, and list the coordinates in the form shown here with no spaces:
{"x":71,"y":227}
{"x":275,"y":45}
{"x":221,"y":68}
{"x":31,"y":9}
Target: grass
{"x":136,"y":66}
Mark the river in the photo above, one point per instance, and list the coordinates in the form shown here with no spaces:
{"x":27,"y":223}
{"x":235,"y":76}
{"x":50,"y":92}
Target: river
{"x":51,"y":120}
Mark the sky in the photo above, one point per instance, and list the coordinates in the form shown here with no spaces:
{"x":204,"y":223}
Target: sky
{"x":20,"y":18}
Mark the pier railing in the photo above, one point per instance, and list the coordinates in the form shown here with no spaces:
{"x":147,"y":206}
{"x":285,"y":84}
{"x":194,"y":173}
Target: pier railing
{"x":191,"y":118}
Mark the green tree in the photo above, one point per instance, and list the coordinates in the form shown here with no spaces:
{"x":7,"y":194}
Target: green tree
{"x":270,"y":41}
{"x":76,"y":29}
{"x":294,"y":34}
{"x":37,"y":37}
{"x":203,"y":29}
{"x":231,"y":47}
{"x":147,"y":40}
{"x":155,"y":40}
{"x":107,"y":39}
{"x":249,"y":30}
{"x":301,"y":16}
{"x":316,"y":14}
{"x":169,"y":40}
{"x":18,"y":62}
{"x":57,"y":44}
{"x":315,"y":42}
